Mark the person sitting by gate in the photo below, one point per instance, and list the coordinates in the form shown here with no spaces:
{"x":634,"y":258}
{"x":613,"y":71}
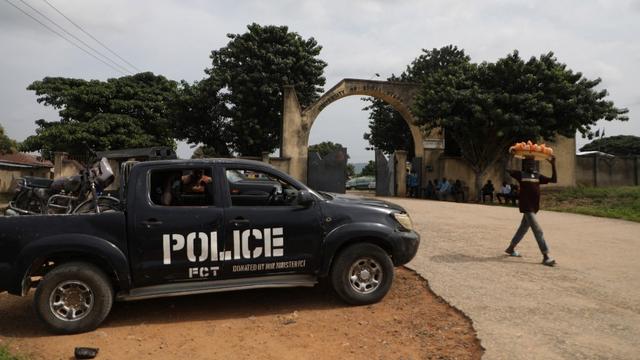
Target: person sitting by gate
{"x":487,"y":190}
{"x":457,"y":190}
{"x":505,"y":193}
{"x":445,"y":189}
{"x":513,"y":196}
{"x":429,"y":190}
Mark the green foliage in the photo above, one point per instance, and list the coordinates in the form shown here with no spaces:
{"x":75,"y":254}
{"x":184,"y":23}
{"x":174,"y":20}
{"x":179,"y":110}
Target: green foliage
{"x":615,"y":145}
{"x":6,"y":354}
{"x":204,"y":152}
{"x":7,"y":145}
{"x":197,"y":116}
{"x":388,"y":131}
{"x":252,"y":70}
{"x":369,"y":169}
{"x":486,"y":107}
{"x":351,"y":171}
{"x":326,"y":147}
{"x":612,"y":202}
{"x":126,"y":112}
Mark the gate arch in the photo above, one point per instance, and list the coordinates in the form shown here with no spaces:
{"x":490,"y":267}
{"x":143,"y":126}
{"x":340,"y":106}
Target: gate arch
{"x":297,"y":122}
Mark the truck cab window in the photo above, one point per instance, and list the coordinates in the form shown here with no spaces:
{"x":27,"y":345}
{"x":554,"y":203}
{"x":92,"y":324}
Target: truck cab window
{"x":256,"y":188}
{"x":182,"y":187}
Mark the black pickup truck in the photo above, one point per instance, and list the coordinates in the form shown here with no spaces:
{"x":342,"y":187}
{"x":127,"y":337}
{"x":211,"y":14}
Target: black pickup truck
{"x":185,"y":228}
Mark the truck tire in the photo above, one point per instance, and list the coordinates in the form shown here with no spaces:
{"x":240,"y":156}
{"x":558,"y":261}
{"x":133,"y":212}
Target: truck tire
{"x":73,"y":298}
{"x":362,"y":274}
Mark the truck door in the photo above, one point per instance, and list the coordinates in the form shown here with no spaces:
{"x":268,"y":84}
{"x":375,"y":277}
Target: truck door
{"x":176,"y":226}
{"x":266,"y":231}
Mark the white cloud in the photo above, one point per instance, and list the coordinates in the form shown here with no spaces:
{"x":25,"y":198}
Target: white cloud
{"x":359,"y":39}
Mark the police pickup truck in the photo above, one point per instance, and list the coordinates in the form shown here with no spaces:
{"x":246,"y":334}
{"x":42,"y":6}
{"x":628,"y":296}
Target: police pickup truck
{"x":199,"y":226}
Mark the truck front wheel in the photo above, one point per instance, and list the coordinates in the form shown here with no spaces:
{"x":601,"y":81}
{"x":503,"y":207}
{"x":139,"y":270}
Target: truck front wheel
{"x":362,"y":274}
{"x":73,"y":297}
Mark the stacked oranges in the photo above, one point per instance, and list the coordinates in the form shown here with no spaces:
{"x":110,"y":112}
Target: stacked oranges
{"x":529,"y":149}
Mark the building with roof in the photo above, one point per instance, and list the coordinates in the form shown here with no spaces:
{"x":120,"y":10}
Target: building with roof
{"x":14,"y":166}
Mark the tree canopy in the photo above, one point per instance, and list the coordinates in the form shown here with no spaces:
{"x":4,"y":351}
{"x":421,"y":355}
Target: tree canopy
{"x":126,"y":112}
{"x":204,"y":152}
{"x":369,"y":169}
{"x":250,"y":72}
{"x":197,"y":114}
{"x":620,"y":145}
{"x":486,"y":107}
{"x":388,"y":131}
{"x":326,"y":147}
{"x":7,"y":145}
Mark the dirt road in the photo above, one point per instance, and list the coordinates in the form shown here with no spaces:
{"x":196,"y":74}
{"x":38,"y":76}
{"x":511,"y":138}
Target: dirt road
{"x":588,"y":307}
{"x":410,"y":323}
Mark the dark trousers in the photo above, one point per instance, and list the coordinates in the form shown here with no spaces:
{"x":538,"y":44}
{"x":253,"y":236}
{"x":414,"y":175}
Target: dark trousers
{"x":529,"y":221}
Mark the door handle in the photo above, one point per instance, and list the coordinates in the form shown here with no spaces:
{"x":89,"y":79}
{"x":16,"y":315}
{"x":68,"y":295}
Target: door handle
{"x":239,"y":220}
{"x":151,"y":222}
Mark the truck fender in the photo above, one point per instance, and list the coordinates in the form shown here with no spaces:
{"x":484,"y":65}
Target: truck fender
{"x":347,"y":234}
{"x":78,"y":244}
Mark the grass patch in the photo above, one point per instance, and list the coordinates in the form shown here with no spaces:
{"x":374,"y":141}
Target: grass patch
{"x":5,"y":354}
{"x":613,"y":202}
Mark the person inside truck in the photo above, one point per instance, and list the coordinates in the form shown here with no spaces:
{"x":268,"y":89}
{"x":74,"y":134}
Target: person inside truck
{"x":196,"y":181}
{"x":176,"y":185}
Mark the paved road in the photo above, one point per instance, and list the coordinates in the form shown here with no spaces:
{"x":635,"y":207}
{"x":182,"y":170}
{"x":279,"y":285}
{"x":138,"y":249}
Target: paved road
{"x":587,"y":307}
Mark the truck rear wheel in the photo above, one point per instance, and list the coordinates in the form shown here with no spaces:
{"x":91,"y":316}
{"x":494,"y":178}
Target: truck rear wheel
{"x":73,"y":297}
{"x":362,"y":274}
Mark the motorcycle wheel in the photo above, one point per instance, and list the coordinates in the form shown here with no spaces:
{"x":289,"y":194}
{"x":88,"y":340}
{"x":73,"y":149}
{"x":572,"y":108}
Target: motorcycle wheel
{"x":105,"y":203}
{"x":26,"y":201}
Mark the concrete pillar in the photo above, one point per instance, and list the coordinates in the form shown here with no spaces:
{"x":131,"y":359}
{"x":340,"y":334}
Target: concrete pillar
{"x":58,"y":158}
{"x":295,"y":135}
{"x":265,"y":156}
{"x":400,"y":157}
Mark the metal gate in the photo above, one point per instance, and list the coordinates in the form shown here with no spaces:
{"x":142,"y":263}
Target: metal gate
{"x":385,"y":175}
{"x":328,"y":173}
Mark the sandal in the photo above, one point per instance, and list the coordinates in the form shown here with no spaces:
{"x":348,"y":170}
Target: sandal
{"x":513,"y":253}
{"x":548,"y":262}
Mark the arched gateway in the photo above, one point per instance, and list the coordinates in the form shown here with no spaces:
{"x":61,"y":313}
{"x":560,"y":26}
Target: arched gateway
{"x":297,"y":122}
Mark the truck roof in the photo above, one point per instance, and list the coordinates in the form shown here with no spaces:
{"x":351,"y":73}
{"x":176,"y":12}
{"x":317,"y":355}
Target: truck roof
{"x":207,"y":161}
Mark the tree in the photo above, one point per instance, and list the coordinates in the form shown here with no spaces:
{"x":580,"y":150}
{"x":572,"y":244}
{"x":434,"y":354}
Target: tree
{"x":131,"y":111}
{"x":487,"y":107}
{"x":369,"y":169}
{"x":388,"y":130}
{"x":351,"y":171}
{"x":7,"y":145}
{"x":204,"y":152}
{"x":197,"y":116}
{"x":251,"y":70}
{"x":620,"y":145}
{"x":325,"y":148}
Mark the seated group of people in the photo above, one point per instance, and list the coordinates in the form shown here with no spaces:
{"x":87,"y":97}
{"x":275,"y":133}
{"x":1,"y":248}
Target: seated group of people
{"x":507,"y":193}
{"x":441,"y":190}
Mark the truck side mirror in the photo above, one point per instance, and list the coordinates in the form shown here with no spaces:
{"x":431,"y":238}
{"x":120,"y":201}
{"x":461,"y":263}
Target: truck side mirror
{"x":305,"y":198}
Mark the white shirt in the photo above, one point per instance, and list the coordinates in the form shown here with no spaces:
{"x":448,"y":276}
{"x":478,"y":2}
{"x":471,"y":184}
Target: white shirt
{"x":506,"y":189}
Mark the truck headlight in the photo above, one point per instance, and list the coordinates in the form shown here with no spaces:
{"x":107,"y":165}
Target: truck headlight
{"x":404,"y":220}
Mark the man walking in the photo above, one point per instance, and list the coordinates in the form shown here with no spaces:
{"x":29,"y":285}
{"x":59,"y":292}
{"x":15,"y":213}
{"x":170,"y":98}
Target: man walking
{"x":530,"y":180}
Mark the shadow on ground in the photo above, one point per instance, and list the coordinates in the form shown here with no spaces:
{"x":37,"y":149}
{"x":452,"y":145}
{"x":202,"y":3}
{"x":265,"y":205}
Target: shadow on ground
{"x":19,"y":319}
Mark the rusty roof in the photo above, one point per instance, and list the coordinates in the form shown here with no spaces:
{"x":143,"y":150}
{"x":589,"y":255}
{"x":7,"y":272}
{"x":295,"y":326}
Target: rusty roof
{"x":24,"y":159}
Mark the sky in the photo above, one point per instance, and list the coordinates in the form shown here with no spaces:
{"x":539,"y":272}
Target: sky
{"x":359,"y":39}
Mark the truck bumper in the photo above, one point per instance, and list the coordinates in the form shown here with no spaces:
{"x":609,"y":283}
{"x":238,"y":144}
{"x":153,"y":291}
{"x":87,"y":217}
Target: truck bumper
{"x":406,"y":246}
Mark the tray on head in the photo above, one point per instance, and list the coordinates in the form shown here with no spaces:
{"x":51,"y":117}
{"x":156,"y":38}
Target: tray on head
{"x":536,"y":155}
